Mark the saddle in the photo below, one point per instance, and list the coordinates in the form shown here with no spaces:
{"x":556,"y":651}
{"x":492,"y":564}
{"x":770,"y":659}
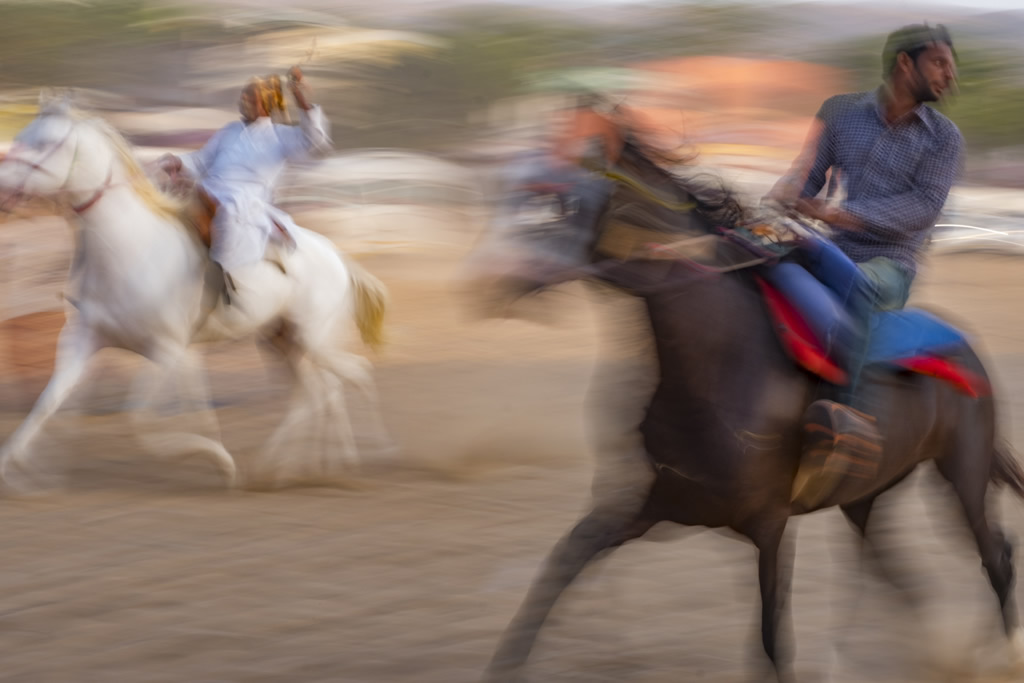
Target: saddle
{"x":199,"y":214}
{"x":202,"y":208}
{"x":813,"y":326}
{"x":810,"y":322}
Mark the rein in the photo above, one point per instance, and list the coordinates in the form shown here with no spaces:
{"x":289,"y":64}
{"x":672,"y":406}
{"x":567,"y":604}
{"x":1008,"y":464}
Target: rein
{"x":38,"y":166}
{"x":97,"y":194}
{"x":680,"y":207}
{"x":18,"y":193}
{"x":671,"y":250}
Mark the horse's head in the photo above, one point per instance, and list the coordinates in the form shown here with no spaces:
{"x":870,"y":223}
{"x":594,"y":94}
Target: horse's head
{"x":544,"y":221}
{"x":602,"y":191}
{"x":64,"y":152}
{"x":41,"y":157}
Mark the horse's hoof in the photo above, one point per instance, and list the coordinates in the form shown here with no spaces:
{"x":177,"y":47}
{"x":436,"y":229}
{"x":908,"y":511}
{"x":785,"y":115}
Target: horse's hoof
{"x":499,"y":675}
{"x":232,"y":480}
{"x":18,"y":480}
{"x":1017,"y":651}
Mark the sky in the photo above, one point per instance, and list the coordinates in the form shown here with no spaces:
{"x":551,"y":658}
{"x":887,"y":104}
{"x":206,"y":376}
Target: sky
{"x":893,"y":4}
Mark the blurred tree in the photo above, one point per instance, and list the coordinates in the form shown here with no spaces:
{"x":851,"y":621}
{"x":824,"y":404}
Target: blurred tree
{"x":83,"y":44}
{"x":494,"y":52}
{"x":430,"y":99}
{"x":489,"y":53}
{"x":697,"y":28}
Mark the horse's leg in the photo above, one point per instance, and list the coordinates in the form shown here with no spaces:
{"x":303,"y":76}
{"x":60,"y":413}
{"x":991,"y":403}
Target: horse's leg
{"x":76,"y":344}
{"x":774,"y":571}
{"x":598,"y":531}
{"x":304,"y":403}
{"x":968,"y":470}
{"x":332,"y":426}
{"x":192,"y":389}
{"x":625,"y":487}
{"x":869,"y":557}
{"x":333,"y":411}
{"x":339,"y":421}
{"x":359,"y":371}
{"x":858,"y":514}
{"x":144,"y":388}
{"x":350,"y":368}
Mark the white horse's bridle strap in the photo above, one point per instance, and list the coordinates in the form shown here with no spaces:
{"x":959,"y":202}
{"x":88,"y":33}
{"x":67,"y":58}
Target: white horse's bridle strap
{"x":33,"y":166}
{"x":38,"y":166}
{"x":97,"y":194}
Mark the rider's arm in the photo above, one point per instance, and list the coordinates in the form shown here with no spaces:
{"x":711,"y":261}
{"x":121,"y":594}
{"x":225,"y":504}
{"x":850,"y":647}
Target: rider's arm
{"x":196,"y":163}
{"x":809,"y":171}
{"x":312,"y":137}
{"x":891,"y":217}
{"x":821,"y":158}
{"x":807,"y":174}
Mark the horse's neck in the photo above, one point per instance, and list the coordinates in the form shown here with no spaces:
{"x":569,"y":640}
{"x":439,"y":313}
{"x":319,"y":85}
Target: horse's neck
{"x":124,"y":245}
{"x":646,"y":171}
{"x":117,"y":217}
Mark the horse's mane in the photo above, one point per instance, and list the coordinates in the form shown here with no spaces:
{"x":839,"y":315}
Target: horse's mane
{"x":161,"y":203}
{"x":714,"y":199}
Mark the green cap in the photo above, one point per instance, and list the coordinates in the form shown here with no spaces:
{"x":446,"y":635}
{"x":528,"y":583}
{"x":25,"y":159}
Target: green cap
{"x":910,"y":38}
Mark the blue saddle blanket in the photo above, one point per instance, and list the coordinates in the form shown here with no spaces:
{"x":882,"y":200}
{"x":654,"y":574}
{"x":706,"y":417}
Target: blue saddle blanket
{"x":900,"y":335}
{"x":895,"y":335}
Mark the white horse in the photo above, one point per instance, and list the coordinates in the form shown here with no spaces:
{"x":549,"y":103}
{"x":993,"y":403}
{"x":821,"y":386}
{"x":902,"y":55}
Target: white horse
{"x":138,"y":283}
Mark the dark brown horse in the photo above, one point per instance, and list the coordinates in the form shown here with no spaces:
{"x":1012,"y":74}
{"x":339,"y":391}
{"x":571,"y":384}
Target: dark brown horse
{"x":722,"y":431}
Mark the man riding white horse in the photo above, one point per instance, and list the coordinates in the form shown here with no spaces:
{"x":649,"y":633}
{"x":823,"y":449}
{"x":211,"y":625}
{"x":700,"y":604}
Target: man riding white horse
{"x":138,"y":278}
{"x":239,"y":166}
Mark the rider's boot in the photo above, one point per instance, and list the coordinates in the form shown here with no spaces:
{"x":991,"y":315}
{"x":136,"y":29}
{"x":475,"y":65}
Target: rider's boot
{"x":842,"y":448}
{"x":219,"y":286}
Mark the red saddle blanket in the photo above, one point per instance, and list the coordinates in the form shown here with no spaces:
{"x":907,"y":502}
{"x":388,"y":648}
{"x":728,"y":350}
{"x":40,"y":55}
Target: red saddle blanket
{"x":805,"y":349}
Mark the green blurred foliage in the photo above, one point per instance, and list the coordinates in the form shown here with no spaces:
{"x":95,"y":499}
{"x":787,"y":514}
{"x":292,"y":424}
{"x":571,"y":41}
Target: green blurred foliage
{"x":432,"y":100}
{"x":85,"y":44}
{"x":494,"y":52}
{"x":990,"y":105}
{"x":707,"y":27}
{"x":489,"y":53}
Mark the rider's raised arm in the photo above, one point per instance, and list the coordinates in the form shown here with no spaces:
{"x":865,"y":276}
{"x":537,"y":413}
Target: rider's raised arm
{"x":310,"y":139}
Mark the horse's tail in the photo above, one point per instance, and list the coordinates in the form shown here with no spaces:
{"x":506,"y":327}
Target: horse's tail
{"x":371,"y":300}
{"x":1006,"y":469}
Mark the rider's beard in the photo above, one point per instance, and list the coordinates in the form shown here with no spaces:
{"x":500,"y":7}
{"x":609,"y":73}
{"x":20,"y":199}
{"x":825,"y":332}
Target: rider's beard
{"x":921,"y":89}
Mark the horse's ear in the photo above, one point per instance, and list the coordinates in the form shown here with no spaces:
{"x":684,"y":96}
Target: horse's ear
{"x":52,"y":101}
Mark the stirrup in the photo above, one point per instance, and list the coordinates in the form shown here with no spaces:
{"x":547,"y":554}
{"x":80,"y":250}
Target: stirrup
{"x":229,"y":286}
{"x":840,"y":444}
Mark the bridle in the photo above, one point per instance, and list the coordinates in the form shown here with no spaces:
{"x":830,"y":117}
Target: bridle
{"x":19,"y":192}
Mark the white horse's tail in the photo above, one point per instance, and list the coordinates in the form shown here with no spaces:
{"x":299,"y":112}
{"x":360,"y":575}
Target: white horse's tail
{"x":371,"y":300}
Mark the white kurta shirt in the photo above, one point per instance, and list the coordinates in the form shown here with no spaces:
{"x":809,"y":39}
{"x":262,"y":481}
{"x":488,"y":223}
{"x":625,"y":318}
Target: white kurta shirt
{"x":239,"y":167}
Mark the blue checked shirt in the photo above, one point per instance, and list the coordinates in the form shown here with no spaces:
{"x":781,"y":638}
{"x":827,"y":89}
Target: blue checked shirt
{"x":896,"y":176}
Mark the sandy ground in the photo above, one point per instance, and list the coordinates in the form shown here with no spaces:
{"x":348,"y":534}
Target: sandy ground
{"x":140,"y":569}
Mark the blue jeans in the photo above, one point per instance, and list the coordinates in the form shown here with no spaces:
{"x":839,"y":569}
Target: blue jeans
{"x":880,"y":284}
